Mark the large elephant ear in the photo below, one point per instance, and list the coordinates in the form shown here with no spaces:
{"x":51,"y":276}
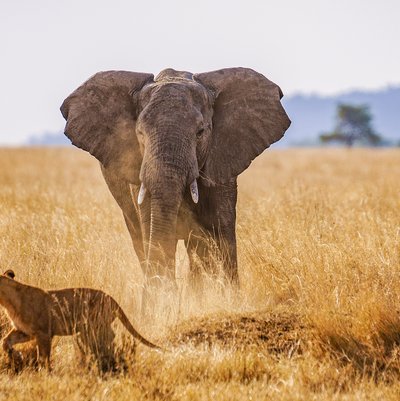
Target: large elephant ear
{"x":248,"y":117}
{"x":101,"y":116}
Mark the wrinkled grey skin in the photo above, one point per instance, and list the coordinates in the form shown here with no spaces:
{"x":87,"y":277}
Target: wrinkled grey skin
{"x":165,"y":133}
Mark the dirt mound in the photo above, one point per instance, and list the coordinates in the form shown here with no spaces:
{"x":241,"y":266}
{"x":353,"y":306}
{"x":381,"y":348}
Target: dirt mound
{"x":277,"y":332}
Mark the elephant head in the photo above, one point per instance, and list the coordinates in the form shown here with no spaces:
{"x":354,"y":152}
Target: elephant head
{"x":165,"y":134}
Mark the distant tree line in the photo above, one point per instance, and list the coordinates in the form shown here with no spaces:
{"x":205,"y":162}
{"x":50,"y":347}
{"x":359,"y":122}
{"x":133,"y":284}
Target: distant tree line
{"x":353,"y":125}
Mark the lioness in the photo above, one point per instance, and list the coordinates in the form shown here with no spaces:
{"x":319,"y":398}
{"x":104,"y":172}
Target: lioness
{"x":41,"y":315}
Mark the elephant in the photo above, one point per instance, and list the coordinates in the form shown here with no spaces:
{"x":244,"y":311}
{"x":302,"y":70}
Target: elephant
{"x":171,"y":149}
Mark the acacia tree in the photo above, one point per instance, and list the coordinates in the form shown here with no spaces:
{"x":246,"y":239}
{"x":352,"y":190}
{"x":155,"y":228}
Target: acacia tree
{"x":353,"y":123}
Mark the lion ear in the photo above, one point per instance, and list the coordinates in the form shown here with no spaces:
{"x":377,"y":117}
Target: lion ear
{"x":9,"y":273}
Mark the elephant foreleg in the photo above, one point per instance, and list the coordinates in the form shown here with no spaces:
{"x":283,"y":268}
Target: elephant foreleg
{"x":218,"y":220}
{"x":227,"y":247}
{"x":126,"y":194}
{"x":224,"y":228}
{"x":206,"y":253}
{"x":199,"y":261}
{"x":136,"y":241}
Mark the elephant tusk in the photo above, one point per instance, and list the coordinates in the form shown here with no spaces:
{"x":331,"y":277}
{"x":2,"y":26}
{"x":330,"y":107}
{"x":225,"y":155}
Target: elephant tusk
{"x":194,"y":191}
{"x":142,"y":193}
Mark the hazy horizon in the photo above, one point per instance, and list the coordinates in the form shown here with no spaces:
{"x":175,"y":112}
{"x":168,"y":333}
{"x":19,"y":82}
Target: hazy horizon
{"x":312,"y":47}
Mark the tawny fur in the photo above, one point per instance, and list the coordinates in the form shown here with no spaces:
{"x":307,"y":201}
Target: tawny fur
{"x":40,"y":315}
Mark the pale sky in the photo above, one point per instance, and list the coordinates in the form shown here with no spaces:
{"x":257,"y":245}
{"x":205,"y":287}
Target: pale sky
{"x":49,"y":47}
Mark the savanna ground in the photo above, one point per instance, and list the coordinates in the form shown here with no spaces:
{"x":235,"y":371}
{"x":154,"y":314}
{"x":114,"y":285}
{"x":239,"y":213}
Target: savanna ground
{"x":319,"y":252}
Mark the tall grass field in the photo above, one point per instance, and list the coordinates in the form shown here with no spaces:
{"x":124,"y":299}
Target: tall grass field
{"x":318,"y":313}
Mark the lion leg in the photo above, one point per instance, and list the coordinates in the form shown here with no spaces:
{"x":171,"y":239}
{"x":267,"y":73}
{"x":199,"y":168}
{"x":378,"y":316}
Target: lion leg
{"x":44,"y":350}
{"x":99,"y":341}
{"x":14,"y":337}
{"x":106,"y":349}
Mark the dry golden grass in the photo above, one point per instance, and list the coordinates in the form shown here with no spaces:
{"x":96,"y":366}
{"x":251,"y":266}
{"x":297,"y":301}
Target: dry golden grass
{"x":319,"y":253}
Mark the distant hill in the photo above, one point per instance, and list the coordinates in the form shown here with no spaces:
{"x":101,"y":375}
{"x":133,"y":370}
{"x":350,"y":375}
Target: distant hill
{"x":49,"y":139}
{"x":311,"y":115}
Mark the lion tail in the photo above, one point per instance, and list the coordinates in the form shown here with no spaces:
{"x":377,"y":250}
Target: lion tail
{"x":125,"y":321}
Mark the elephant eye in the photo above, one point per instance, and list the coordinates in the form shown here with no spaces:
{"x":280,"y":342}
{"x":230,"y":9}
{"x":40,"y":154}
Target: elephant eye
{"x":200,"y":132}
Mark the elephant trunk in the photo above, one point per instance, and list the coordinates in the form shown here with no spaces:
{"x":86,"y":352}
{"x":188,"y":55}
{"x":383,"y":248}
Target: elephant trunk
{"x":168,"y":169}
{"x":162,"y":241}
{"x":165,"y":196}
